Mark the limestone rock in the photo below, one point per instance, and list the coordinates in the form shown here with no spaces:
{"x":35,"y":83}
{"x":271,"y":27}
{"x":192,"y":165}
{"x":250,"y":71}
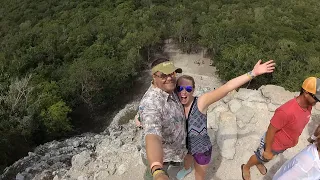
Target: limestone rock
{"x":244,"y":116}
{"x":249,"y":95}
{"x":272,"y":107}
{"x":20,"y":177}
{"x":82,"y":177}
{"x":101,"y":175}
{"x":235,"y":125}
{"x":229,"y":97}
{"x":276,"y":94}
{"x":234,"y":105}
{"x":227,"y":135}
{"x":256,"y":105}
{"x":317,"y":106}
{"x":212,"y":121}
{"x":122,"y":169}
{"x":81,"y":160}
{"x":214,"y":105}
{"x":221,"y":108}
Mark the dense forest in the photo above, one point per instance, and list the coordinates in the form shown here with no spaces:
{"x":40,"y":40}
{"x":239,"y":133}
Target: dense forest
{"x":58,"y":55}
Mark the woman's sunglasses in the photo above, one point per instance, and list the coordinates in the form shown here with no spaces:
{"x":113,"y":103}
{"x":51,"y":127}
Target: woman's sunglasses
{"x":187,"y":88}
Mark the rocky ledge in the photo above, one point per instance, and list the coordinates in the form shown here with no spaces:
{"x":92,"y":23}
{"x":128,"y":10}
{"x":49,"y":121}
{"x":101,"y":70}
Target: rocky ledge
{"x":235,"y":125}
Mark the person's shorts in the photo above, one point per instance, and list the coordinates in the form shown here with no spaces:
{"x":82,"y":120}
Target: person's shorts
{"x":203,"y":158}
{"x":261,"y":148}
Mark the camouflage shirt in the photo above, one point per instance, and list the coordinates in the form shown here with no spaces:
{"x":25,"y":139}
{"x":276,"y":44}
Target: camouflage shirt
{"x":162,"y":114}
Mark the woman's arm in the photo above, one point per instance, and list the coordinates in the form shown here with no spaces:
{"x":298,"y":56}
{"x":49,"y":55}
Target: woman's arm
{"x":207,"y":99}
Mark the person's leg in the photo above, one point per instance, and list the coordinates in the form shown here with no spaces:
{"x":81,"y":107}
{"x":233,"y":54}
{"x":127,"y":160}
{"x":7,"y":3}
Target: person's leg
{"x":188,"y":160}
{"x":187,"y":164}
{"x":200,"y":171}
{"x":201,"y":164}
{"x":255,"y":160}
{"x":246,"y":167}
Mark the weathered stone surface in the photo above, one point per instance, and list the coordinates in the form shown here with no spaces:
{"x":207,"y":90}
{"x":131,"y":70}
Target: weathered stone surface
{"x":250,"y":95}
{"x":229,"y":97}
{"x":255,"y":105}
{"x":221,"y":108}
{"x":101,"y":175}
{"x":80,"y":160}
{"x":276,"y":94}
{"x":234,"y":105}
{"x":272,"y":107}
{"x":235,"y":125}
{"x":317,"y":106}
{"x":227,"y":135}
{"x":122,"y":169}
{"x":244,"y":115}
{"x":212,"y":122}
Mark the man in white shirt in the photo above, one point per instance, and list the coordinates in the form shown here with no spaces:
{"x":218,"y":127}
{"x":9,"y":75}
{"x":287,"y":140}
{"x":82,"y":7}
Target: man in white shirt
{"x":303,"y":166}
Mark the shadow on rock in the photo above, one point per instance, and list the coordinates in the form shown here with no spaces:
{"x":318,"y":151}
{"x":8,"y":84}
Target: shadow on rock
{"x":214,"y":165}
{"x":275,"y":168}
{"x":313,"y":124}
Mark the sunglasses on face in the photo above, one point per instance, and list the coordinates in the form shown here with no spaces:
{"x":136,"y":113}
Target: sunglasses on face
{"x":165,"y":76}
{"x":314,"y":97}
{"x":187,"y":88}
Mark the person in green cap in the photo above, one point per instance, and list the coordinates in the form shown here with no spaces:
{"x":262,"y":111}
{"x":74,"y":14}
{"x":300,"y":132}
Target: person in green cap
{"x":163,"y":122}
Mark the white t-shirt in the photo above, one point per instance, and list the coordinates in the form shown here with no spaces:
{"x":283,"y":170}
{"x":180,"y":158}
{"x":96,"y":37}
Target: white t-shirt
{"x":303,"y":166}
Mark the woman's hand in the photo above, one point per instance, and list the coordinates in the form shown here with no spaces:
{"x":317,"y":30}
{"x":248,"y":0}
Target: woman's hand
{"x":266,"y":67}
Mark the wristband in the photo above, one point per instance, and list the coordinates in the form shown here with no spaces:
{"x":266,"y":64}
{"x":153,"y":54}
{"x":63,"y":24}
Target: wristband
{"x":313,"y":137}
{"x":155,"y":164}
{"x":250,"y":74}
{"x":158,"y":171}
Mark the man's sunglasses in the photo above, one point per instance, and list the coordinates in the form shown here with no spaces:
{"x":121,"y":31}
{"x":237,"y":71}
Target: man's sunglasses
{"x":187,"y":88}
{"x":165,"y":76}
{"x":314,"y":97}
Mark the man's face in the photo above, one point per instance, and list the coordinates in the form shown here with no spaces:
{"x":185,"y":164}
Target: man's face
{"x":165,"y":82}
{"x":312,"y":98}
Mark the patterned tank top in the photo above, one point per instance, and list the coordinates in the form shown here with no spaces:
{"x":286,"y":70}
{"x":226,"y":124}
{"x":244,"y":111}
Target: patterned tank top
{"x":198,"y":140}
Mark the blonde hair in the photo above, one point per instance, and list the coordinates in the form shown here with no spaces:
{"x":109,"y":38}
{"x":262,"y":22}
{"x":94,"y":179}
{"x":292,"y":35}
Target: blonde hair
{"x":187,"y":77}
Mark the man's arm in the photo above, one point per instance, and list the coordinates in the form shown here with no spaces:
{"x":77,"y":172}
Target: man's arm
{"x":155,"y":154}
{"x":154,"y":150}
{"x":152,"y":127}
{"x":315,"y":134}
{"x":269,"y":141}
{"x":278,"y":121}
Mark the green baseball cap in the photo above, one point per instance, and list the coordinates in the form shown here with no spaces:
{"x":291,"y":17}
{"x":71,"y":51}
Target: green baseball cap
{"x":166,"y":68}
